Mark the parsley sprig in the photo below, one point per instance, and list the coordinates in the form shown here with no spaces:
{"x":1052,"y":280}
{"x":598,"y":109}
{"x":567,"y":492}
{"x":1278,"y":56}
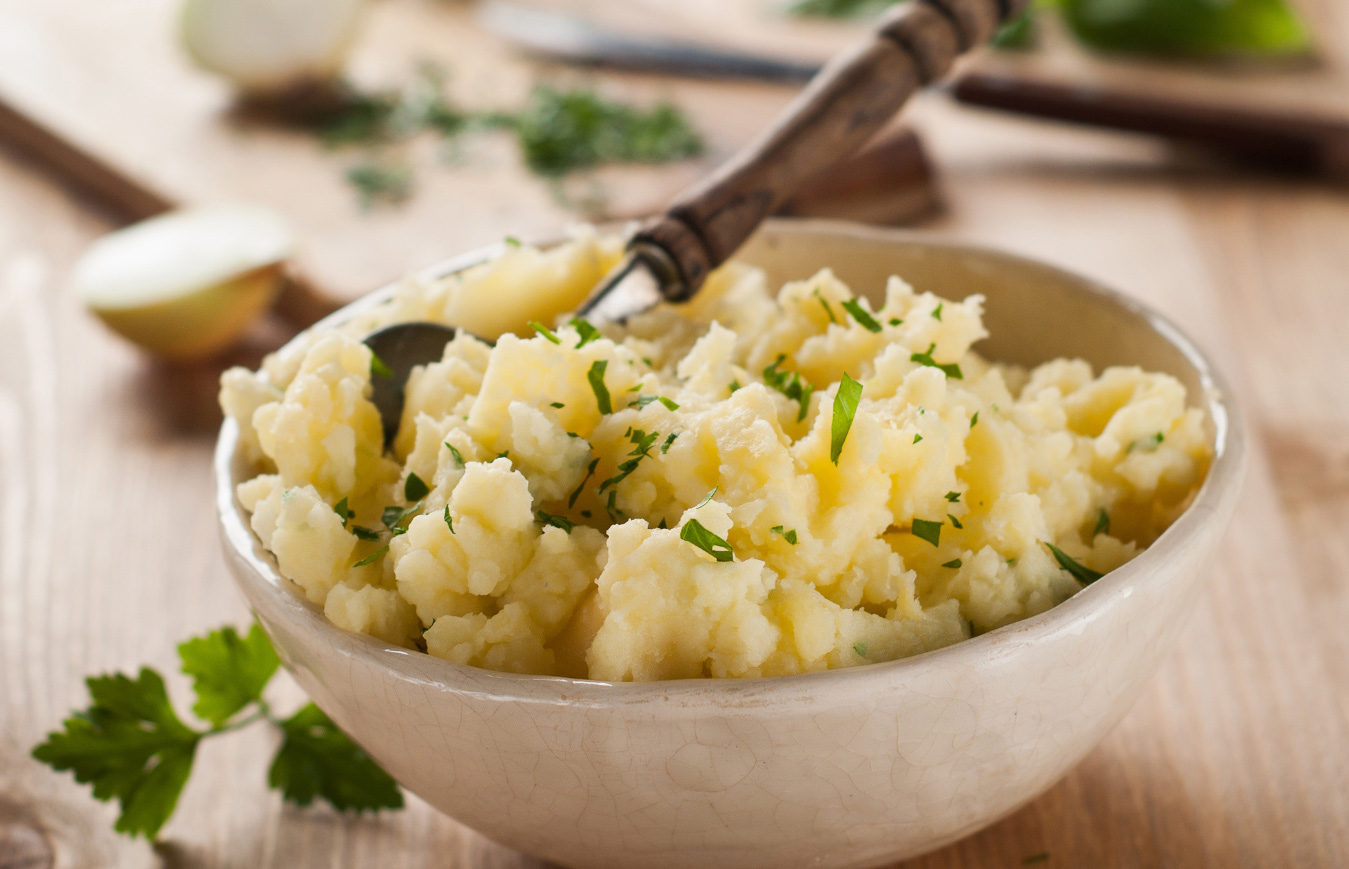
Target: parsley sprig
{"x":951,"y":370}
{"x":845,"y":408}
{"x":642,"y":445}
{"x":131,"y":745}
{"x":790,"y":384}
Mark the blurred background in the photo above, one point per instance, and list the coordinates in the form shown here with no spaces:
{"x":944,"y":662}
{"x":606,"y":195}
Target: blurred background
{"x":299,"y":153}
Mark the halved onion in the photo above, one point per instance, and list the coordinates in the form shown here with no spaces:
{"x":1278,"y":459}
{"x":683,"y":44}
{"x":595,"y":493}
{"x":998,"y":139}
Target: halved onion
{"x":187,"y":284}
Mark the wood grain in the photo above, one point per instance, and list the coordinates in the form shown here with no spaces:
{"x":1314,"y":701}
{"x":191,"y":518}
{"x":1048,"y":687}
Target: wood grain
{"x":1236,"y":756}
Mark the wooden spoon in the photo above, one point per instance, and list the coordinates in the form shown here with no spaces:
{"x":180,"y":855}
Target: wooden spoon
{"x":846,"y":104}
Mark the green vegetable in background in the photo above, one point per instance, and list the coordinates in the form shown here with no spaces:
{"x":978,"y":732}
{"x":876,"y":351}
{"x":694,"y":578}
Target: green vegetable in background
{"x":1186,"y":27}
{"x":131,"y":746}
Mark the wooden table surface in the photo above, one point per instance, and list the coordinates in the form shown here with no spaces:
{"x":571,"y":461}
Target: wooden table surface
{"x":1236,"y":755}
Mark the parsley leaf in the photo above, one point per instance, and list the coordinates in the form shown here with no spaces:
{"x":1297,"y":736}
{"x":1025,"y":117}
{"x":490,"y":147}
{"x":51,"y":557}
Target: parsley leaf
{"x":449,"y":520}
{"x":557,"y":404}
{"x":557,"y":521}
{"x":789,"y":536}
{"x":936,"y":313}
{"x":790,"y":384}
{"x":707,"y":498}
{"x":1080,"y":572}
{"x":865,"y":320}
{"x":860,"y":648}
{"x":828,"y":310}
{"x":458,"y":456}
{"x":511,"y":241}
{"x":845,"y":408}
{"x":694,"y":532}
{"x":895,"y":321}
{"x":644,"y":400}
{"x":318,"y":760}
{"x":571,"y":502}
{"x":341,"y":509}
{"x":415,"y":488}
{"x":665,"y":447}
{"x":596,"y":378}
{"x":228,"y":671}
{"x":917,"y":438}
{"x":130,"y":745}
{"x":974,"y":420}
{"x":372,"y":557}
{"x":953,"y":497}
{"x":734,"y":385}
{"x":363,"y":533}
{"x":953,"y":563}
{"x":587,"y":332}
{"x":544,"y":331}
{"x":378,"y":368}
{"x":929,"y":531}
{"x":951,"y":370}
{"x":955,"y":523}
{"x":1102,"y":524}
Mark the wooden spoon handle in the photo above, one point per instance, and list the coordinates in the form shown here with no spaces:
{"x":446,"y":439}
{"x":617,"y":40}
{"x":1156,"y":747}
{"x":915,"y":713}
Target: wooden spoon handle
{"x":842,"y":107}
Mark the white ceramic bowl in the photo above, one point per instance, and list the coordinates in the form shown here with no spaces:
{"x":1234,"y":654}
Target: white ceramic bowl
{"x":845,"y":768}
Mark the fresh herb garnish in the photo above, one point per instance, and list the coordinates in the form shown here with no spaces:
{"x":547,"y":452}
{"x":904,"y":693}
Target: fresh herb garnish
{"x":644,"y":400}
{"x":828,"y":310}
{"x":789,"y":536}
{"x":665,"y":447}
{"x":734,"y":385}
{"x":694,"y":532}
{"x":974,"y":420}
{"x":415,"y":488}
{"x":864,"y":319}
{"x":458,"y":457}
{"x":790,"y":384}
{"x":372,"y":557}
{"x":378,"y":368}
{"x":596,"y":378}
{"x":917,"y":438}
{"x":364,"y":533}
{"x":449,"y":520}
{"x":381,"y":182}
{"x":611,"y":506}
{"x":1102,"y":524}
{"x":951,"y":370}
{"x":936,"y":312}
{"x":132,"y":747}
{"x":860,"y":648}
{"x":556,"y":521}
{"x":512,"y":241}
{"x":926,"y":530}
{"x":594,"y":463}
{"x":341,"y":509}
{"x":706,"y":498}
{"x":544,"y":331}
{"x":955,"y":523}
{"x":557,"y":404}
{"x":953,"y":497}
{"x":586,"y":332}
{"x":895,"y":321}
{"x":318,"y":760}
{"x":845,"y":408}
{"x":1080,"y":572}
{"x":642,"y":444}
{"x":954,"y":563}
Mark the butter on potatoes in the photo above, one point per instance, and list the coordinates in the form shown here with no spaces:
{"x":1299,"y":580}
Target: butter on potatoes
{"x":688,"y":495}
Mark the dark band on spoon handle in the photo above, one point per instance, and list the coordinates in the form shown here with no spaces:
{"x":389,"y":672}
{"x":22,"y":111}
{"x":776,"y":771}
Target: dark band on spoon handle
{"x":844,"y":106}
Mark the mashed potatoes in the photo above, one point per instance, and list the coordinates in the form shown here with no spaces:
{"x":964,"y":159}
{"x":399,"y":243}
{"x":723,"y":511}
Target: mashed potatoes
{"x":703,"y":492}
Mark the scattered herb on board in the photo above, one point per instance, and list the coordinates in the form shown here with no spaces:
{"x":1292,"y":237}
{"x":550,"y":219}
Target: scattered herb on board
{"x":924,"y":529}
{"x":1080,"y":572}
{"x":951,"y":370}
{"x":131,"y":745}
{"x":596,"y":378}
{"x":561,"y":131}
{"x":694,"y":532}
{"x":845,"y":408}
{"x":864,"y":319}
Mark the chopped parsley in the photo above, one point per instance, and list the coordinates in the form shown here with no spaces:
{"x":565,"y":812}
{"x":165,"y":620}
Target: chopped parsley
{"x":381,"y":181}
{"x":895,"y":321}
{"x":415,"y":488}
{"x":449,"y":520}
{"x":974,"y":420}
{"x":929,"y":531}
{"x":864,"y":319}
{"x":790,"y":384}
{"x":954,"y":563}
{"x":557,"y":404}
{"x":372,"y":557}
{"x":951,"y":370}
{"x":544,"y":331}
{"x":734,"y":385}
{"x":694,"y":532}
{"x":706,"y":498}
{"x":556,"y":521}
{"x":611,"y":506}
{"x":512,"y":241}
{"x":665,"y":447}
{"x":860,"y":648}
{"x":789,"y":536}
{"x":364,"y":533}
{"x":587,"y":332}
{"x":936,"y":312}
{"x":378,"y":368}
{"x":953,"y":497}
{"x":458,"y":456}
{"x":917,"y":438}
{"x":1149,"y":443}
{"x":955,"y":523}
{"x":828,"y":310}
{"x":845,"y":408}
{"x":642,"y":444}
{"x":1102,"y":523}
{"x":571,"y":502}
{"x":644,"y":400}
{"x":1080,"y":572}
{"x":341,"y":509}
{"x":596,"y":378}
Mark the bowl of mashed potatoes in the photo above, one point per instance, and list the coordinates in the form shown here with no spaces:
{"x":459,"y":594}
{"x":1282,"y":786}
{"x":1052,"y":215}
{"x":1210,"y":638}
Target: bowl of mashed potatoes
{"x":846,"y":558}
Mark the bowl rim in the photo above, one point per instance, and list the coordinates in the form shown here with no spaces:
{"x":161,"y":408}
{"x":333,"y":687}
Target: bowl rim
{"x":1219,"y":487}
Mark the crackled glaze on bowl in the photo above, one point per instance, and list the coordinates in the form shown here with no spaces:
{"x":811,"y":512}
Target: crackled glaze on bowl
{"x":844,"y":768}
